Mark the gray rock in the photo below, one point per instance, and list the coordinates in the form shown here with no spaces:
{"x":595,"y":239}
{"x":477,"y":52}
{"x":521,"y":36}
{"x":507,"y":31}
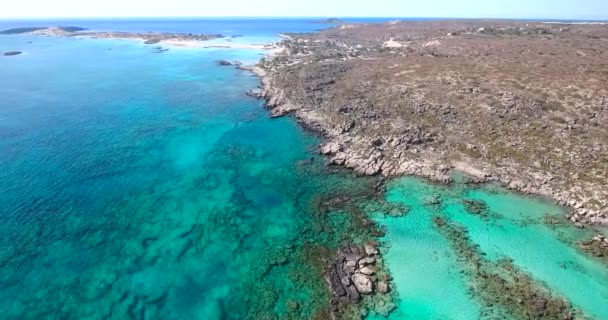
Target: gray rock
{"x":353,"y":294}
{"x":370,"y":249}
{"x":367,"y":270}
{"x":363,"y":283}
{"x":382,"y":287}
{"x":367,"y":261}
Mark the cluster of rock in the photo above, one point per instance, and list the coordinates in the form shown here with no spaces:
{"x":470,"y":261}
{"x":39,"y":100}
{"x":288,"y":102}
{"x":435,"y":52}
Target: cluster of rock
{"x":476,"y":207}
{"x":421,"y":109}
{"x":354,"y":274}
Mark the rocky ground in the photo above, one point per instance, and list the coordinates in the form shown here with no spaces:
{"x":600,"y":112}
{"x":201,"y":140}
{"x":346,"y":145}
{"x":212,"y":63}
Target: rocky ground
{"x":523,"y":104}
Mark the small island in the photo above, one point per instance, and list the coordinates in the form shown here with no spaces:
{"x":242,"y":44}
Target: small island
{"x":330,"y":21}
{"x":146,"y":37}
{"x":26,"y":30}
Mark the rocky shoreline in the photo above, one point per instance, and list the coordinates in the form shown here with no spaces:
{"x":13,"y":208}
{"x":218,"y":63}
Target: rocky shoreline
{"x":311,"y":80}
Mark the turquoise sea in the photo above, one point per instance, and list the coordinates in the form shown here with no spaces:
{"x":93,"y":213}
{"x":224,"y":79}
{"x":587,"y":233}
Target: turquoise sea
{"x":143,"y":185}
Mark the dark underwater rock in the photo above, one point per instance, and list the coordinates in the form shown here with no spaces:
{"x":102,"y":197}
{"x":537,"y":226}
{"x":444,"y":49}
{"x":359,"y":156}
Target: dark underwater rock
{"x":476,"y":207}
{"x":226,"y":63}
{"x":12,"y":53}
{"x":160,"y":50}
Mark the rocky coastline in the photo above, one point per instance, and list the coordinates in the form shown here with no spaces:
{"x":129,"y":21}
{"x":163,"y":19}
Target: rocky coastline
{"x":376,"y":123}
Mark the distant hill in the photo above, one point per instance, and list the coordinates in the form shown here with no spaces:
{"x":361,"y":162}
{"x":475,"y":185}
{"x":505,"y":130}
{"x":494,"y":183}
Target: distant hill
{"x":330,"y":21}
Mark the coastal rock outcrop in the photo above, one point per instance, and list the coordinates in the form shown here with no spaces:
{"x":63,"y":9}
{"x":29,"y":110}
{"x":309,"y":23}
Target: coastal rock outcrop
{"x":425,"y":110}
{"x":355,"y":274}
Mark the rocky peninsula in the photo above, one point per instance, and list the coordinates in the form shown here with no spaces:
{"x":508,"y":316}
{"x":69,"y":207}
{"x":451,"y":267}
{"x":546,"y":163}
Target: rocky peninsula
{"x":521,"y":104}
{"x":146,"y":37}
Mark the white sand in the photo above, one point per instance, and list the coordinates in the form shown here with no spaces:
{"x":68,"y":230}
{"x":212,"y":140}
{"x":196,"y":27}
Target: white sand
{"x":271,"y":47}
{"x":394,"y":44}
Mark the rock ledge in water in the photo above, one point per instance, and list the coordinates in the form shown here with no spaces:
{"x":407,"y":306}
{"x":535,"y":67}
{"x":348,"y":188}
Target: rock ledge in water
{"x":357,"y":272}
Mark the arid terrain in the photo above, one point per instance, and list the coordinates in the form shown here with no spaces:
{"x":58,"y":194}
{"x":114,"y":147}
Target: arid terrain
{"x":522,"y":104}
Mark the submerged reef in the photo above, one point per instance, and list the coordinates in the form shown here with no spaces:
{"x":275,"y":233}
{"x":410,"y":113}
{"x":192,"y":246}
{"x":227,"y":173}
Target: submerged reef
{"x":476,"y":207}
{"x":596,"y":247}
{"x":505,"y":290}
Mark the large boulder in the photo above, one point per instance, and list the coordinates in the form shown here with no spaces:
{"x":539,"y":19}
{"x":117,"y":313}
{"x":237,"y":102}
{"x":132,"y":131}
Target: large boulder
{"x":363,"y":283}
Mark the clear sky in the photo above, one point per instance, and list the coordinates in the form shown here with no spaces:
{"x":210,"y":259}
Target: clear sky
{"x":564,"y":9}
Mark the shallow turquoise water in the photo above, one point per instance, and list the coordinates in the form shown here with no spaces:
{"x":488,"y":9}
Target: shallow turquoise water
{"x":145,"y":185}
{"x":427,"y":275}
{"x":422,"y":263}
